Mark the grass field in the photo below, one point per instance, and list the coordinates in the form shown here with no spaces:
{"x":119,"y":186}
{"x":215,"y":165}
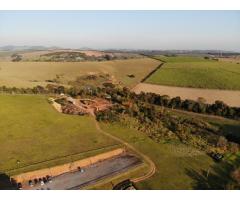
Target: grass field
{"x":28,"y":74}
{"x":172,"y":160}
{"x":177,"y":164}
{"x":177,"y":59}
{"x":32,"y":131}
{"x":197,"y":72}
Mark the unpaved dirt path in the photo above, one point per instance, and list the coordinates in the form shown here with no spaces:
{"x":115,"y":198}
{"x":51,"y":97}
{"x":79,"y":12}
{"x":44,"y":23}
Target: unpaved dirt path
{"x":152,"y":167}
{"x":147,"y":159}
{"x":232,"y":98}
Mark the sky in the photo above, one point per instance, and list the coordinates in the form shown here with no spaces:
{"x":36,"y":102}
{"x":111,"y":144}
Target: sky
{"x":122,"y":29}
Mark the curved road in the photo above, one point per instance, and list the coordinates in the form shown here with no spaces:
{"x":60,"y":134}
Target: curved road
{"x":152,"y":166}
{"x":147,"y":159}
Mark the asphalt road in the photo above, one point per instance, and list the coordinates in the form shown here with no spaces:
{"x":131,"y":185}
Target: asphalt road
{"x":91,"y":174}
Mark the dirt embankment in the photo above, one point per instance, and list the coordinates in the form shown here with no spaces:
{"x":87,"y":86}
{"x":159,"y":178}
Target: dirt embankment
{"x":232,"y":98}
{"x":73,"y":166}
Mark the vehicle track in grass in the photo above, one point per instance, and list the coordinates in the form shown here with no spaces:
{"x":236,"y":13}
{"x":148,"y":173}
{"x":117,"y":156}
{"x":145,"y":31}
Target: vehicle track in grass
{"x":147,"y":159}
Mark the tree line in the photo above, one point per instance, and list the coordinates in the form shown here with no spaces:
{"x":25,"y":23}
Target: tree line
{"x":119,"y":95}
{"x":218,"y":108}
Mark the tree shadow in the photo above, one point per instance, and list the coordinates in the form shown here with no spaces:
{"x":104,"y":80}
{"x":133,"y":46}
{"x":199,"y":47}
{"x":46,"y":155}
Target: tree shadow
{"x":218,"y":177}
{"x":6,"y":183}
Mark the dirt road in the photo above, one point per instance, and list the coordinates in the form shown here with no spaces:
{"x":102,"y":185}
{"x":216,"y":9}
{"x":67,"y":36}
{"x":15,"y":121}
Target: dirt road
{"x":152,"y":167}
{"x":232,"y":98}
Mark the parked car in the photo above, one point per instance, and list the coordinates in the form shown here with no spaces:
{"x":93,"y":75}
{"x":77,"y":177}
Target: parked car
{"x":49,"y":178}
{"x":217,"y":156}
{"x":35,"y":181}
{"x":30,"y":183}
{"x":45,"y":180}
{"x":41,"y":181}
{"x":19,"y":186}
{"x":125,"y":185}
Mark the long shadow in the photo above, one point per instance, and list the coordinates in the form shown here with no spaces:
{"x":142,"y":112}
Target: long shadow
{"x":216,"y":178}
{"x":232,"y":132}
{"x":6,"y":183}
{"x":151,"y":73}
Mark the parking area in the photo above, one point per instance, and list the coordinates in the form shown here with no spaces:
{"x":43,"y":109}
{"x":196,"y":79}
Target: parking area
{"x":89,"y":175}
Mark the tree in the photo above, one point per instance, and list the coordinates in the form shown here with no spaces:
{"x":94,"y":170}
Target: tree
{"x":222,"y":143}
{"x":38,"y":89}
{"x":165,"y":100}
{"x":61,"y":89}
{"x":175,"y":102}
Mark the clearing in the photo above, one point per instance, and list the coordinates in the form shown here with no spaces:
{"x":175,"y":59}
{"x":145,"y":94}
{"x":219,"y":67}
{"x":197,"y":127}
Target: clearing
{"x":29,"y":74}
{"x":232,"y":98}
{"x":34,"y":135}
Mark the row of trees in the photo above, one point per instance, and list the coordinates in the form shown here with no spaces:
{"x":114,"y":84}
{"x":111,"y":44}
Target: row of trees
{"x":218,"y":108}
{"x":49,"y":89}
{"x":125,"y":95}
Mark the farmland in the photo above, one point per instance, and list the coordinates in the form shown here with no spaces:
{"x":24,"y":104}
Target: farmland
{"x":29,"y":74}
{"x":197,"y":72}
{"x":177,"y":59}
{"x":33,"y":132}
{"x":231,"y":98}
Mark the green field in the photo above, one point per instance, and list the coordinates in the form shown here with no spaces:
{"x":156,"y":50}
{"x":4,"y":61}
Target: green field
{"x":178,"y":166}
{"x":32,"y":131}
{"x":197,"y":72}
{"x":29,"y":74}
{"x":172,"y":160}
{"x":176,"y":59}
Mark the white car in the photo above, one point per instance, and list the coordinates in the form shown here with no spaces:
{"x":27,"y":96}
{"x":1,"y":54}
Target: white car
{"x":42,"y":183}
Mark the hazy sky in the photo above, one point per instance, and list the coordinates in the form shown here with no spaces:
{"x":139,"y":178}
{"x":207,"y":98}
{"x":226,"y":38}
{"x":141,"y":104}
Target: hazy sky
{"x":122,"y":29}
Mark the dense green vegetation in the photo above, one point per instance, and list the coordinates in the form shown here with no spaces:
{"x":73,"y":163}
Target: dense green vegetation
{"x":197,"y":72}
{"x":169,"y":138}
{"x":99,"y":86}
{"x":32,"y":131}
{"x":144,"y":115}
{"x":218,"y":108}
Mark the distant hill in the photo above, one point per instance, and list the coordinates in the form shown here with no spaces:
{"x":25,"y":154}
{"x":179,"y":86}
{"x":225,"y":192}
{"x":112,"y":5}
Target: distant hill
{"x":181,"y":52}
{"x":26,"y":48}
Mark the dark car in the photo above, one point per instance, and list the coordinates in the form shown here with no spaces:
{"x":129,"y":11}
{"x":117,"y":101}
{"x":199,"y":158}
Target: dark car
{"x":35,"y":181}
{"x":217,"y":156}
{"x":30,"y":183}
{"x":19,"y":186}
{"x":45,"y":180}
{"x":124,"y":185}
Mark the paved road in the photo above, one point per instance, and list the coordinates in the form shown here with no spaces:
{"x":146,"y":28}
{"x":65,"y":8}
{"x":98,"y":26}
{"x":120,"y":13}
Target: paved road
{"x":91,"y":174}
